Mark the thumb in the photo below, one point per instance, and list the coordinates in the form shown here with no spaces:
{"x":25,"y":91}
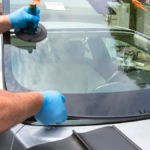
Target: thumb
{"x":32,"y":18}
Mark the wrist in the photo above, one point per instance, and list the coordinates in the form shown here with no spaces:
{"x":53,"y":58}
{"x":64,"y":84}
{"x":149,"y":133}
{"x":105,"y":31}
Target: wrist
{"x":8,"y":22}
{"x":32,"y":102}
{"x":5,"y":23}
{"x":45,"y":101}
{"x":39,"y":101}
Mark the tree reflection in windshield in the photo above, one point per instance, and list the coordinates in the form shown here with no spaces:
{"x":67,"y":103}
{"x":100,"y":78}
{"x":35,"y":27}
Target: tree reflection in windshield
{"x":139,"y":77}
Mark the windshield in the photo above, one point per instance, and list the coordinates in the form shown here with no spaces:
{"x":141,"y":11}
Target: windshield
{"x":91,"y":48}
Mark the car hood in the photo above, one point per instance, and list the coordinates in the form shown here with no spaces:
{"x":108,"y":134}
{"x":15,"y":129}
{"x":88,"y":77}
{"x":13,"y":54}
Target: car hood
{"x":32,"y":137}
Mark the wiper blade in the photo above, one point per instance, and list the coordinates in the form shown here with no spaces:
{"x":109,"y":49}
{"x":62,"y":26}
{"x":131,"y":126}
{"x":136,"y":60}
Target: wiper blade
{"x":91,"y":120}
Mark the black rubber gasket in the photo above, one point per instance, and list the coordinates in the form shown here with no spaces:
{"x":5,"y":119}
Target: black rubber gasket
{"x":32,"y":37}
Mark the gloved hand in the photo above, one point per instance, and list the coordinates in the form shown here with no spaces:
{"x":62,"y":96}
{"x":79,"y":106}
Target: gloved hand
{"x":53,"y":110}
{"x":20,"y":18}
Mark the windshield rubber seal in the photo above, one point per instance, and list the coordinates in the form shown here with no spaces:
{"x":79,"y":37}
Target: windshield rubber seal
{"x":107,"y":122}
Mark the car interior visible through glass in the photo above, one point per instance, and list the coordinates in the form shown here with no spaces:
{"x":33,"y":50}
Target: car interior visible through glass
{"x":88,"y":50}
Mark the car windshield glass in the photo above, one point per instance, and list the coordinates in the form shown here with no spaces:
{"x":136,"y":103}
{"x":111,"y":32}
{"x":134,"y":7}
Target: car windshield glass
{"x":92,"y":47}
{"x":85,"y":59}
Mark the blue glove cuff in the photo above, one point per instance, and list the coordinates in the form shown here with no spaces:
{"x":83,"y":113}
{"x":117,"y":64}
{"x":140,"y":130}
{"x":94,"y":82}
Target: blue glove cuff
{"x":45,"y":103}
{"x":12,"y":22}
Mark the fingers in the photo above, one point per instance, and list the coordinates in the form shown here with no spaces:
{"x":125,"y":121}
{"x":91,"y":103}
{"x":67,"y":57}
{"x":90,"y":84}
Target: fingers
{"x":32,"y":18}
{"x":38,"y":15}
{"x":53,"y":109}
{"x":60,"y":122}
{"x":37,"y":12}
{"x":63,"y":98}
{"x":64,"y":118}
{"x":36,"y":25}
{"x":26,"y":8}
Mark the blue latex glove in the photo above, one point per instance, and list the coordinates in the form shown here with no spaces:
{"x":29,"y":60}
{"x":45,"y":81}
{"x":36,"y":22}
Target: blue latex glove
{"x":53,"y":110}
{"x":20,"y":18}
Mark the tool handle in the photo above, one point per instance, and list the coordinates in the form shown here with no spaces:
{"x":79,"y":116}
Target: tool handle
{"x":32,"y":10}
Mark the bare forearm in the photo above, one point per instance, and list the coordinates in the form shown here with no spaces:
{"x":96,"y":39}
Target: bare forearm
{"x":16,"y":107}
{"x":5,"y":24}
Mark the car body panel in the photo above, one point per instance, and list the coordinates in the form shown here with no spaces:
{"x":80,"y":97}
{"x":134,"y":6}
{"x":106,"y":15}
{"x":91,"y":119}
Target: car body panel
{"x":7,"y":138}
{"x":28,"y":136}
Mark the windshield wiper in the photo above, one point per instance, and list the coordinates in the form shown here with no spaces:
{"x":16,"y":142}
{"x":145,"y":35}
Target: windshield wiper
{"x":91,"y":120}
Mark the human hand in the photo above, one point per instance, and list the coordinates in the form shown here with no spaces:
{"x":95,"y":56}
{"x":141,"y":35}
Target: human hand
{"x":53,"y":110}
{"x":20,"y":18}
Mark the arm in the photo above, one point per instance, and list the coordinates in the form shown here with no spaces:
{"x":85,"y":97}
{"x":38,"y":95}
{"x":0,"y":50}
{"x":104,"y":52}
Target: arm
{"x":48,"y":108}
{"x":5,"y":24}
{"x":16,"y":107}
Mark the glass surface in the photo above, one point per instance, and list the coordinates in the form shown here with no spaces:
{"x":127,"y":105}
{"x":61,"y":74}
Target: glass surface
{"x":90,"y":48}
{"x":81,"y":62}
{"x":85,"y":52}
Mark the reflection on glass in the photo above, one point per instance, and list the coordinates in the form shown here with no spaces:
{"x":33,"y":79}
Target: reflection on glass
{"x":83,"y":61}
{"x":89,"y":48}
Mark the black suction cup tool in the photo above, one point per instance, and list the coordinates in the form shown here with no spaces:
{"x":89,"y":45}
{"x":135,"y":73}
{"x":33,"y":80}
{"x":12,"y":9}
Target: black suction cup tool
{"x":31,"y":34}
{"x":40,"y":34}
